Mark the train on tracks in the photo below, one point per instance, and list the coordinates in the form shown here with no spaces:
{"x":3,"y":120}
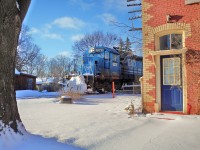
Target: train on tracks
{"x":103,"y":65}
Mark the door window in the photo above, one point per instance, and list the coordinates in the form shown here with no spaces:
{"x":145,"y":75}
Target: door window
{"x":171,"y":71}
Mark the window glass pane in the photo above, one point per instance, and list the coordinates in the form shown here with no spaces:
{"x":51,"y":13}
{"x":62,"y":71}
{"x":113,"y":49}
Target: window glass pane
{"x":171,"y":71}
{"x":177,"y":80}
{"x":114,"y":57}
{"x":106,"y":55}
{"x":172,"y":61}
{"x":165,"y":42}
{"x":172,"y":80}
{"x":176,"y":41}
{"x":177,"y":62}
{"x":176,"y":71}
{"x":165,"y":62}
{"x":166,"y":80}
{"x":166,"y":71}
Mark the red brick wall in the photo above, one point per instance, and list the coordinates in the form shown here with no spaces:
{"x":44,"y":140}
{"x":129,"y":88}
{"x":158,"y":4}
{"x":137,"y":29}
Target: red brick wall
{"x":181,"y":13}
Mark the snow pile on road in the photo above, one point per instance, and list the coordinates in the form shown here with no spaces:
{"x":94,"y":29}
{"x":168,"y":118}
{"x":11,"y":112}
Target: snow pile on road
{"x":76,"y":84}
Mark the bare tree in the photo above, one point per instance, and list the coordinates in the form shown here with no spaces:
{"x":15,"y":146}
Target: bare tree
{"x":62,"y":65}
{"x":125,"y":50}
{"x":12,"y":13}
{"x":127,"y":44}
{"x":121,"y":45}
{"x":59,"y":66}
{"x":97,"y":38}
{"x":27,"y":51}
{"x":38,"y":66}
{"x":51,"y":66}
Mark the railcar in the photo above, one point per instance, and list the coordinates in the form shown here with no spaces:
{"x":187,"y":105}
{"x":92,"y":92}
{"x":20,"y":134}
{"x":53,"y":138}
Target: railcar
{"x":102,"y":65}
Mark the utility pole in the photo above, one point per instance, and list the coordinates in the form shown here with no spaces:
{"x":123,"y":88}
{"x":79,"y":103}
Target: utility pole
{"x":137,"y":10}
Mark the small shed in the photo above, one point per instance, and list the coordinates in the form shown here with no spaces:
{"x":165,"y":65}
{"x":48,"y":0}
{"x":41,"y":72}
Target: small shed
{"x":24,"y":81}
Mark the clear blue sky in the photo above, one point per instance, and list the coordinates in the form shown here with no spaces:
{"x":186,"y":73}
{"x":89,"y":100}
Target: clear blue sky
{"x":56,"y":24}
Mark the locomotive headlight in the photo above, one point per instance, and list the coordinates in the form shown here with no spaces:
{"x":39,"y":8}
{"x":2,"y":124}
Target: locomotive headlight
{"x":91,"y":50}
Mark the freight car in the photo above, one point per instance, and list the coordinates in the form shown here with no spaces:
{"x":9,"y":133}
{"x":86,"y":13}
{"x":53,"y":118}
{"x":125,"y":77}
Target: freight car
{"x":102,"y":65}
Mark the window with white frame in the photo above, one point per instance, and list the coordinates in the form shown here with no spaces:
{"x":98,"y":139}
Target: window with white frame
{"x":171,"y":71}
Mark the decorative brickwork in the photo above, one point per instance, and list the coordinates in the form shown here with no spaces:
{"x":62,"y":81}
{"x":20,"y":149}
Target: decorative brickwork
{"x":184,"y":18}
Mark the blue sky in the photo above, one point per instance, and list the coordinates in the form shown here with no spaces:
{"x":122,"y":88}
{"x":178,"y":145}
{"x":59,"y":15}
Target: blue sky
{"x":56,"y":24}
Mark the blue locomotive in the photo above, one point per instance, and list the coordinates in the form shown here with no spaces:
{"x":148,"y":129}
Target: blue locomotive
{"x":102,"y":65}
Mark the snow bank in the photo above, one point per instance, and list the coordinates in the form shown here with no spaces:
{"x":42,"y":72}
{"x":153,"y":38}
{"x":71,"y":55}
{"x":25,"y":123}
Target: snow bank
{"x":50,"y":80}
{"x":34,"y":94}
{"x":9,"y":140}
{"x":38,"y":81}
{"x":76,"y":84}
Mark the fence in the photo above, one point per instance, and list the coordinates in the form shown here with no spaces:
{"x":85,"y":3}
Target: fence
{"x":136,"y":89}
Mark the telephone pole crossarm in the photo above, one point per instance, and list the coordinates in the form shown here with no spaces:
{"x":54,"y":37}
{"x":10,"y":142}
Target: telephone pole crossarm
{"x":136,"y":17}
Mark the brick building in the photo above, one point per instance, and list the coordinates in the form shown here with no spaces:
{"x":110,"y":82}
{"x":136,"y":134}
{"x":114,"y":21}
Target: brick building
{"x":171,"y":55}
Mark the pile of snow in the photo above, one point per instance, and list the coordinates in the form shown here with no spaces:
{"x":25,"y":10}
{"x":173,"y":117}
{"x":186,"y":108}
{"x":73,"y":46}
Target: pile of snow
{"x":38,"y":81}
{"x":76,"y":84}
{"x":50,"y":80}
{"x":9,"y":140}
{"x":34,"y":93}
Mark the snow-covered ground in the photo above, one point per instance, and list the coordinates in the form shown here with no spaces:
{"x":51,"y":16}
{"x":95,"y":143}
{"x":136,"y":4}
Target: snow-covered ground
{"x":99,"y":122}
{"x":28,"y":94}
{"x":11,"y":141}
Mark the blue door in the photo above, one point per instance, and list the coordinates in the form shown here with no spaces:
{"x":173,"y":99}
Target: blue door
{"x":171,"y":83}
